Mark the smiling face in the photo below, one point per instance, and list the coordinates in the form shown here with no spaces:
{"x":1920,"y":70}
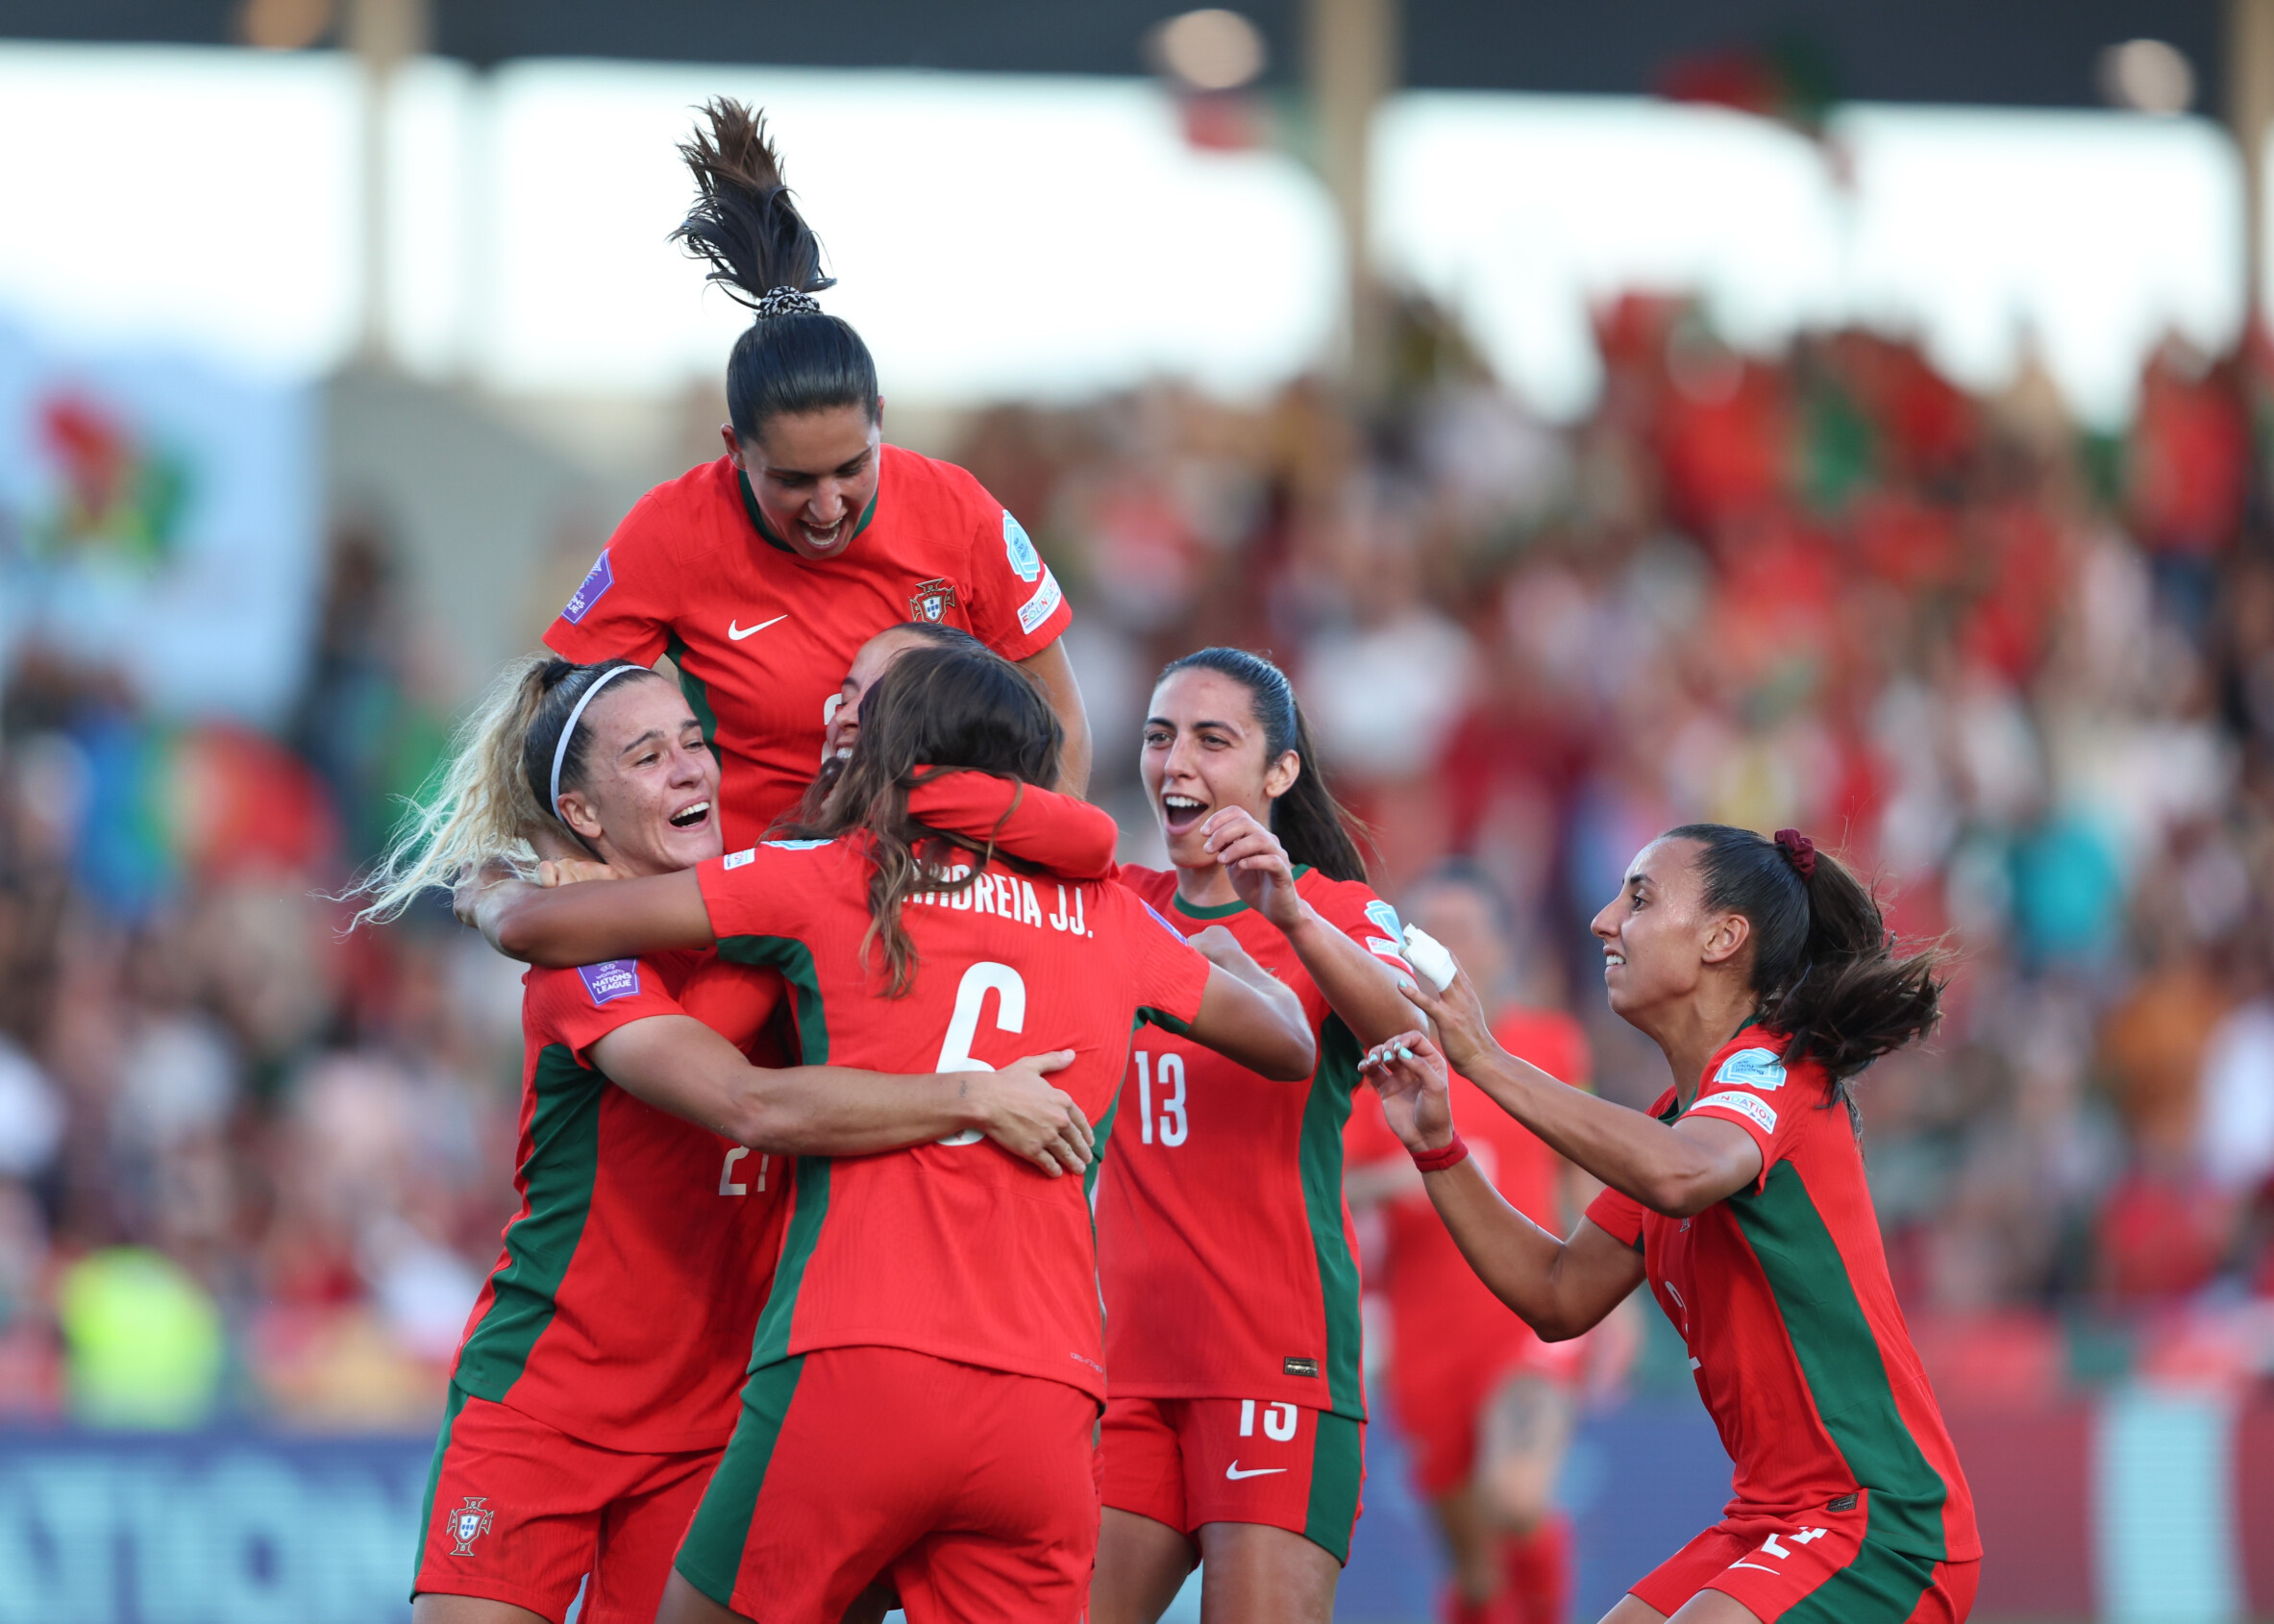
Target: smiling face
{"x":649,"y":803}
{"x":814,"y":474}
{"x":1204,"y":752}
{"x":1660,"y":942}
{"x":843,"y":726}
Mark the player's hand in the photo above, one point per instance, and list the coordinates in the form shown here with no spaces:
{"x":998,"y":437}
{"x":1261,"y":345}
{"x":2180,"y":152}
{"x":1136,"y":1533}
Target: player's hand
{"x":1261,"y":870}
{"x":1030,"y":1116}
{"x":1409,"y":1076}
{"x":1464,"y":1032}
{"x":478,"y":890}
{"x":573,"y":871}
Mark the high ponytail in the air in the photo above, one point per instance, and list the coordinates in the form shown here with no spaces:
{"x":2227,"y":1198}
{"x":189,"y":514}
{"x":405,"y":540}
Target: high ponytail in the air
{"x":493,"y":793}
{"x":794,"y":357}
{"x":1824,"y":967}
{"x":1309,"y":822}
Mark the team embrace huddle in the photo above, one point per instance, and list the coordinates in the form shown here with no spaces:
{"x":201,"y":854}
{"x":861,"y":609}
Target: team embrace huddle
{"x":921,"y":1209}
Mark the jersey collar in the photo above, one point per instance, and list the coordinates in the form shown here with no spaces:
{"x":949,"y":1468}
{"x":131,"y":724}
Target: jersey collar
{"x":1222,"y":910}
{"x":757,"y":517}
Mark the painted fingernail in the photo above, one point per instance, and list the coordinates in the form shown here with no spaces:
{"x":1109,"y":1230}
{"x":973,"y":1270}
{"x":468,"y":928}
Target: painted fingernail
{"x":1405,"y":1053}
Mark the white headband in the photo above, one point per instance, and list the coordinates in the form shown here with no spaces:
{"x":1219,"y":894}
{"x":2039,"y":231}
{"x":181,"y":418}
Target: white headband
{"x":560,"y":749}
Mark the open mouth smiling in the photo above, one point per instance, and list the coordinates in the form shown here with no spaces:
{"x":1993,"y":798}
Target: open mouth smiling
{"x":692,"y":815}
{"x":1180,"y":812}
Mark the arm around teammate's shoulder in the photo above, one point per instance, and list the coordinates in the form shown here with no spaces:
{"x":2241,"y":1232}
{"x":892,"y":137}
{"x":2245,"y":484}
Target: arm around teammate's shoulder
{"x":563,"y":926}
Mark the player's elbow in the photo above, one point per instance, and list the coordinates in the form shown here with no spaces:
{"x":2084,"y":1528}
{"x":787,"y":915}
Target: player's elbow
{"x":1293,"y":1058}
{"x":515,"y":934}
{"x":1683,"y":1190}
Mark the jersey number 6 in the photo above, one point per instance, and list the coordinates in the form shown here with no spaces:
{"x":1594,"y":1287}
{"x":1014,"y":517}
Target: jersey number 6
{"x":1010,"y":1016}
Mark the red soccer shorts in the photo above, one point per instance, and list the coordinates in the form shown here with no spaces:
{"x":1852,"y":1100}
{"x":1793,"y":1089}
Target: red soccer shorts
{"x":1818,"y":1568}
{"x":974,"y":1489}
{"x":519,"y":1512}
{"x":1441,"y":1400}
{"x":1186,"y":1461}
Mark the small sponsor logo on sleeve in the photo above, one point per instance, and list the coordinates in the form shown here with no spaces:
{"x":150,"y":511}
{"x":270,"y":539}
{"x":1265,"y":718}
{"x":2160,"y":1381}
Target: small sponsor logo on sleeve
{"x":595,"y":588}
{"x":610,"y":980}
{"x":1019,"y":550}
{"x":1299,"y":1366}
{"x":1752,"y":1069}
{"x":1387,"y":950}
{"x":781,"y":846}
{"x":1386,"y":918}
{"x":735,"y":859}
{"x":1162,"y":922}
{"x":1042,"y":604}
{"x":1744,"y":1105}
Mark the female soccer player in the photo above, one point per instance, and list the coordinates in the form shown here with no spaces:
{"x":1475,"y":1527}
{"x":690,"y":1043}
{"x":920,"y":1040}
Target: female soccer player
{"x":930,"y":1368}
{"x":594,"y":1386}
{"x":1235,"y":1434}
{"x":1764,"y":974}
{"x":761,"y":573}
{"x":1485,"y":1405}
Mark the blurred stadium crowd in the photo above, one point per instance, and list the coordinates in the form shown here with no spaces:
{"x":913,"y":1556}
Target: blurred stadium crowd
{"x":2023,"y":672}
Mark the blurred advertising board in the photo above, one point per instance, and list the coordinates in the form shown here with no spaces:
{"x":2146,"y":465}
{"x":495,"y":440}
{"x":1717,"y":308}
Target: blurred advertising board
{"x":159,"y":518}
{"x":208,"y":1528}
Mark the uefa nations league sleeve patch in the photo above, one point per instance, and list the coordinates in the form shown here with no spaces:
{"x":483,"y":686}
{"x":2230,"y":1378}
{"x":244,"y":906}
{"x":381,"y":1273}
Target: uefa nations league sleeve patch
{"x":1752,"y":1069}
{"x":595,"y":588}
{"x":610,"y":980}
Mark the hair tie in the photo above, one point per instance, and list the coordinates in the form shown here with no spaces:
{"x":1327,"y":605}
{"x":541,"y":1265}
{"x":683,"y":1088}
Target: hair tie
{"x":786,"y":301}
{"x":1799,"y":850}
{"x":560,"y":749}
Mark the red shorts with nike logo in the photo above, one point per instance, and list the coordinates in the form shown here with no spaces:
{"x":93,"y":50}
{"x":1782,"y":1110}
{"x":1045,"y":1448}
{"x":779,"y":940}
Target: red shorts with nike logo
{"x":974,"y":1491}
{"x":1821,"y":1567}
{"x":519,"y":1512}
{"x":1185,"y":1461}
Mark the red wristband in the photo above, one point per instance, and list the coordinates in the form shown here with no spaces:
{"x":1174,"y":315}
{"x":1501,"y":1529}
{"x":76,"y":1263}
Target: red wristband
{"x":1450,"y":1156}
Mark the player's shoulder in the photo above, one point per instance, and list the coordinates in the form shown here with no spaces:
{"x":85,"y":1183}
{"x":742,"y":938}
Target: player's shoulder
{"x":683,"y":514}
{"x":911,"y":476}
{"x":1349,"y":904}
{"x":1756,"y":1059}
{"x":1157,"y":887}
{"x":553,"y":998}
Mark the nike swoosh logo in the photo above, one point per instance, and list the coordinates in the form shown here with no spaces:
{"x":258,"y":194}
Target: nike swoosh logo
{"x":1234,"y":1472}
{"x":738,"y":633}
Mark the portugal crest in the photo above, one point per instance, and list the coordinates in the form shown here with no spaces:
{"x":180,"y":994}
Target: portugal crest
{"x":469,"y":1523}
{"x":931,"y":599}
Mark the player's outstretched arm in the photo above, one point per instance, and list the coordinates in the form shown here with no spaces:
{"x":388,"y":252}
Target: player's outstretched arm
{"x":564,"y":926}
{"x":677,"y":1064}
{"x":1248,"y":1016}
{"x":1560,"y":1288}
{"x":1679,"y":1170}
{"x":1360,"y":988}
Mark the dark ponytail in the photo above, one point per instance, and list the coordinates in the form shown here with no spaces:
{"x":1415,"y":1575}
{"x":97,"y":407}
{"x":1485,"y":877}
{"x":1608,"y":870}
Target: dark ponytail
{"x":1307,"y":818}
{"x":792,"y":357}
{"x":1824,"y":968}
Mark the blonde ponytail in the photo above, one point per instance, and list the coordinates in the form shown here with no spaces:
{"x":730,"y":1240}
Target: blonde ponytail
{"x":476,"y":806}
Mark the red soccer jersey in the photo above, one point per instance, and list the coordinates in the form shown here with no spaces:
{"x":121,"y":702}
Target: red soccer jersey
{"x":959,"y":1250}
{"x":1230,"y":1267}
{"x":1444,"y":1315}
{"x":1781,"y":1294}
{"x":622,"y":1307}
{"x":763,"y":636}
